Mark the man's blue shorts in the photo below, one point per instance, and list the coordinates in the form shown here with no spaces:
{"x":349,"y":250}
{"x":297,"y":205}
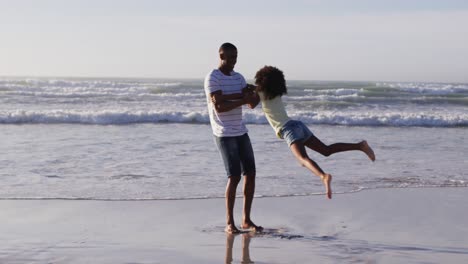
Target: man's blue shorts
{"x":237,"y":154}
{"x":295,"y":130}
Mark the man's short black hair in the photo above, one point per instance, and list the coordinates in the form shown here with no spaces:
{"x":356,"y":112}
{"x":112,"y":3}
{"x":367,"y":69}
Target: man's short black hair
{"x":227,"y":46}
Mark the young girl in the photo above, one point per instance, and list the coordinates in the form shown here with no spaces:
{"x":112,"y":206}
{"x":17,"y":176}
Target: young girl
{"x":271,"y":85}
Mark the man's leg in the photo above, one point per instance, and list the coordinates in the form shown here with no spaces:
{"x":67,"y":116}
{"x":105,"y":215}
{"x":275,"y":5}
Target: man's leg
{"x":229,"y":149}
{"x":230,"y":195}
{"x":248,"y":166}
{"x":249,"y":191}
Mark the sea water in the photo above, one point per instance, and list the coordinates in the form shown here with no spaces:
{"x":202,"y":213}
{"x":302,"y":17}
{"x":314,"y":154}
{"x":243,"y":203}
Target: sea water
{"x":137,"y":139}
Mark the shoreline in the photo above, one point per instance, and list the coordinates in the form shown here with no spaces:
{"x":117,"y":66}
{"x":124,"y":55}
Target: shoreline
{"x":219,"y":197}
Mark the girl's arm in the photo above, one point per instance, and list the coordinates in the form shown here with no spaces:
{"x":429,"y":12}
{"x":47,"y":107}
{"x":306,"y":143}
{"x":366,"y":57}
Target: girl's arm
{"x":253,"y":100}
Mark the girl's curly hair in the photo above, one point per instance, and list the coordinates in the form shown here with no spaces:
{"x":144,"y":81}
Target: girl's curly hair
{"x":270,"y":80}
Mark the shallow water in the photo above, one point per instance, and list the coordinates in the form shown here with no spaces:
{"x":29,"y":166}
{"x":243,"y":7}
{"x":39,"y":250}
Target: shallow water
{"x":180,"y":161}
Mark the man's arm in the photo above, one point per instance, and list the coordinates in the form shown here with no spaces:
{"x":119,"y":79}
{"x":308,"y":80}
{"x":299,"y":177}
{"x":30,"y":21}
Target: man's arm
{"x":221,"y":104}
{"x":226,"y":97}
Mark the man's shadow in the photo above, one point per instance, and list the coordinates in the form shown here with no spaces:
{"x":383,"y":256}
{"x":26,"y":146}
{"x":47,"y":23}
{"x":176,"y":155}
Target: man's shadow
{"x":246,"y":237}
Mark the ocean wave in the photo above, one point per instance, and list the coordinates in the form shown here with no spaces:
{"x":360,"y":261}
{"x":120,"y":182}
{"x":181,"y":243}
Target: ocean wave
{"x":101,"y":117}
{"x":427,"y":88}
{"x":122,"y":117}
{"x":385,"y":119}
{"x":327,"y":98}
{"x":89,"y":93}
{"x":98,"y":83}
{"x":338,"y":91}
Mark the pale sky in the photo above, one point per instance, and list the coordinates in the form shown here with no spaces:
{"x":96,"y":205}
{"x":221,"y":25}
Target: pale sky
{"x":375,"y":40}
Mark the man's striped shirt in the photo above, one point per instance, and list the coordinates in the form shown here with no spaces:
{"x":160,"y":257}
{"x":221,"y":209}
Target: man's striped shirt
{"x":230,"y":123}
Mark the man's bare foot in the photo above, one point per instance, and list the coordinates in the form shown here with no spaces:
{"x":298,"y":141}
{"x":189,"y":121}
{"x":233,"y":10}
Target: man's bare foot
{"x":326,"y":179}
{"x":231,"y":229}
{"x":368,"y":150}
{"x":249,"y":225}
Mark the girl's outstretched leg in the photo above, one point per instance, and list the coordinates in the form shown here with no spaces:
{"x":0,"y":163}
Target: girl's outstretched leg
{"x":315,"y":144}
{"x":300,"y":153}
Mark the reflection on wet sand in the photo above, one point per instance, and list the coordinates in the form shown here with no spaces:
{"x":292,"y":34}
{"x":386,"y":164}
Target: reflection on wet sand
{"x":245,"y":258}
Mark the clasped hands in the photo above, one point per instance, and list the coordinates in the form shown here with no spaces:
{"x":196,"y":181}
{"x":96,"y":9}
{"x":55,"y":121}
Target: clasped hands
{"x":248,"y":93}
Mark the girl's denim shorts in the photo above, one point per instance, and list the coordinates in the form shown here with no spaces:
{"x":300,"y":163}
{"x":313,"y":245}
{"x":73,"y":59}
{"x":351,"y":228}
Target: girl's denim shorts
{"x":295,"y":130}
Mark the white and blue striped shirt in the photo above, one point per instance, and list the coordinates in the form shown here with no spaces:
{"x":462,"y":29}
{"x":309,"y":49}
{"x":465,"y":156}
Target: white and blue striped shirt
{"x":230,"y":123}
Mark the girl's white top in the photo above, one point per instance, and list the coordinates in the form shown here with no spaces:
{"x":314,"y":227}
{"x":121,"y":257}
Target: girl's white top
{"x":275,"y":112}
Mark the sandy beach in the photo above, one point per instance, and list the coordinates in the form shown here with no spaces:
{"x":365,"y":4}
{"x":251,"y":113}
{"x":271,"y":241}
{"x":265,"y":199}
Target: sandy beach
{"x":112,"y":114}
{"x":426,"y":225}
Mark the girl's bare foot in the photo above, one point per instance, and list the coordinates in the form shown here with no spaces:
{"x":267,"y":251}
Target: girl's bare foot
{"x":326,"y":179}
{"x":231,"y":229}
{"x":368,"y":150}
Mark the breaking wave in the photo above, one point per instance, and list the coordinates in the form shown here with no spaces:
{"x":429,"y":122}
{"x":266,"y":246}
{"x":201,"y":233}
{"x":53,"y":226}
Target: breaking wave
{"x":122,"y":117}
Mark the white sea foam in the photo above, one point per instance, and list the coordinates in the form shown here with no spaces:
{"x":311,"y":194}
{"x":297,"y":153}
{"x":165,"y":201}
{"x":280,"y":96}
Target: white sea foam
{"x":102,"y":117}
{"x":103,"y":83}
{"x":428,"y":88}
{"x":86,"y":92}
{"x":385,"y":119}
{"x":337,"y":92}
{"x":324,"y":97}
{"x":119,"y":116}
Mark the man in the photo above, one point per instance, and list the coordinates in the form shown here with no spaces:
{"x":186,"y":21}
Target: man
{"x":230,"y":132}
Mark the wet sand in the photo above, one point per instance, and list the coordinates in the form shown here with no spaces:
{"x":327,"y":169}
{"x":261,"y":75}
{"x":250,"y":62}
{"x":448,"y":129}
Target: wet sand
{"x":426,"y":225}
